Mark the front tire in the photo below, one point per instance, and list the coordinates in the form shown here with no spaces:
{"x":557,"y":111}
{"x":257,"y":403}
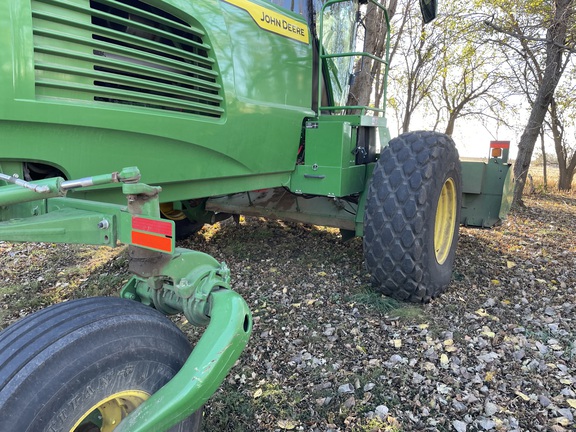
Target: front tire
{"x":83,"y":365}
{"x":412,"y":216}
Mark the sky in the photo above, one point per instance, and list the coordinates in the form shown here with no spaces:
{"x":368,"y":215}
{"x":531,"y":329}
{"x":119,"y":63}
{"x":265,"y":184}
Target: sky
{"x":472,"y":138}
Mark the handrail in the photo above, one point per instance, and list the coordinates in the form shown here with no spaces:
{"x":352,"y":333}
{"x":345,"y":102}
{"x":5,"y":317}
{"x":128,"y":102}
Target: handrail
{"x":322,"y":56}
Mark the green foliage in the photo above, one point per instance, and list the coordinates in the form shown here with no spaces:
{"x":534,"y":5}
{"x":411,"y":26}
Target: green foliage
{"x":386,"y":305}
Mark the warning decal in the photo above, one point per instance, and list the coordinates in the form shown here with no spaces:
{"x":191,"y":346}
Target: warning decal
{"x":273,"y":21}
{"x":152,"y":234}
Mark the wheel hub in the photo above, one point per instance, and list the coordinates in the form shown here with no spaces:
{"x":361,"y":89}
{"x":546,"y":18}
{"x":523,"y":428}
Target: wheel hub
{"x":105,"y":415}
{"x":445,"y":221}
{"x":169,"y":212}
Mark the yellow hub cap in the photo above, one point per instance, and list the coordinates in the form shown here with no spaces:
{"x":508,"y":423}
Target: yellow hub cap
{"x":169,"y":212}
{"x":109,"y":412}
{"x":445,"y":221}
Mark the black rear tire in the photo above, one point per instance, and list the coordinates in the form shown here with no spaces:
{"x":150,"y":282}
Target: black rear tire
{"x":412,"y":216}
{"x":60,"y":363}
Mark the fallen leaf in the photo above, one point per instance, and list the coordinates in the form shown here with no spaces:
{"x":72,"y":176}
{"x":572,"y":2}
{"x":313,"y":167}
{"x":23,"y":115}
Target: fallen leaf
{"x":257,"y":393}
{"x":444,"y":360}
{"x":556,"y":347}
{"x":563,"y":421}
{"x":349,"y":403}
{"x":488,"y":333}
{"x":489,"y":376}
{"x":482,"y":313}
{"x":522,"y":395}
{"x":459,"y":426}
{"x":286,"y":424}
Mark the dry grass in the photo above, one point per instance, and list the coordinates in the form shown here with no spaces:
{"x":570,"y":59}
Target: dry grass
{"x":538,"y":185}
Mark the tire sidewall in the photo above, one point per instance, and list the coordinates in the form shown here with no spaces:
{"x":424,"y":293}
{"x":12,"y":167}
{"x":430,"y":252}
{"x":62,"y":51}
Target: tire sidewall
{"x":438,"y":274}
{"x":69,"y":357}
{"x":400,"y":215}
{"x":82,"y":393}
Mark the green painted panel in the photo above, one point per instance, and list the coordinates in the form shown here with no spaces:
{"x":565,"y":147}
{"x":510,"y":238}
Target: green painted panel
{"x":329,"y":144}
{"x":473,"y":176}
{"x":487,"y":192}
{"x":329,"y":181}
{"x":84,"y":96}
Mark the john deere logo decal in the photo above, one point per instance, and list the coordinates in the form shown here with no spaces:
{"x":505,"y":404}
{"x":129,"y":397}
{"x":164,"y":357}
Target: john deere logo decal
{"x":273,"y":21}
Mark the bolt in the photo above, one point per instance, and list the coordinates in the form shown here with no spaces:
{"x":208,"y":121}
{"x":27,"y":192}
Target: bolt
{"x":184,"y":283}
{"x":103,"y":224}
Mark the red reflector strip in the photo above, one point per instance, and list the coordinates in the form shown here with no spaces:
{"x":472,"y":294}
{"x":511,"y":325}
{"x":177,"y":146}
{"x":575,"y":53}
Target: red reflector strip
{"x":152,"y":225}
{"x":152,"y":241}
{"x":500,"y":144}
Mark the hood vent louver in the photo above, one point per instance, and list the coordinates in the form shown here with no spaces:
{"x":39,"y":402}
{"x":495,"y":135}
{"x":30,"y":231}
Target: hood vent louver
{"x":123,"y":52}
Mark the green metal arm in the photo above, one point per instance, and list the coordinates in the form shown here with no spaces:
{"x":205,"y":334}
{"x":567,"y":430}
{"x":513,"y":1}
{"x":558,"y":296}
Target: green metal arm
{"x":197,"y":285}
{"x":21,"y":191}
{"x":51,"y":217}
{"x":214,"y":355}
{"x":172,"y":280}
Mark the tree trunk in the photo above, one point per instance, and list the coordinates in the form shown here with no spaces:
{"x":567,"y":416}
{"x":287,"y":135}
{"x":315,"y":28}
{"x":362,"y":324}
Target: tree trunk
{"x":407,"y":117}
{"x":565,"y":180}
{"x":361,"y":88}
{"x":556,"y":38}
{"x":566,"y":163}
{"x":567,"y":171}
{"x":366,"y":70}
{"x":451,"y":123}
{"x":544,"y":160}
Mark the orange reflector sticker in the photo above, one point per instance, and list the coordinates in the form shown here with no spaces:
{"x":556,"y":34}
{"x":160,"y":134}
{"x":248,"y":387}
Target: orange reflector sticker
{"x":152,"y":234}
{"x":152,"y":241}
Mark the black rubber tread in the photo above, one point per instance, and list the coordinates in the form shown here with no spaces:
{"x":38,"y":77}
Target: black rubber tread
{"x":400,"y":216}
{"x":49,"y":359}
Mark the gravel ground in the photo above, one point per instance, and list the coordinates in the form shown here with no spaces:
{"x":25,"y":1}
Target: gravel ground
{"x":496,"y":352}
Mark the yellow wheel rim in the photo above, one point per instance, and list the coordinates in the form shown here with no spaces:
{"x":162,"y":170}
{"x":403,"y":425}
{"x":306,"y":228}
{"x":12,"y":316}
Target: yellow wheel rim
{"x":445,"y":221}
{"x":169,"y":212}
{"x":109,"y":412}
